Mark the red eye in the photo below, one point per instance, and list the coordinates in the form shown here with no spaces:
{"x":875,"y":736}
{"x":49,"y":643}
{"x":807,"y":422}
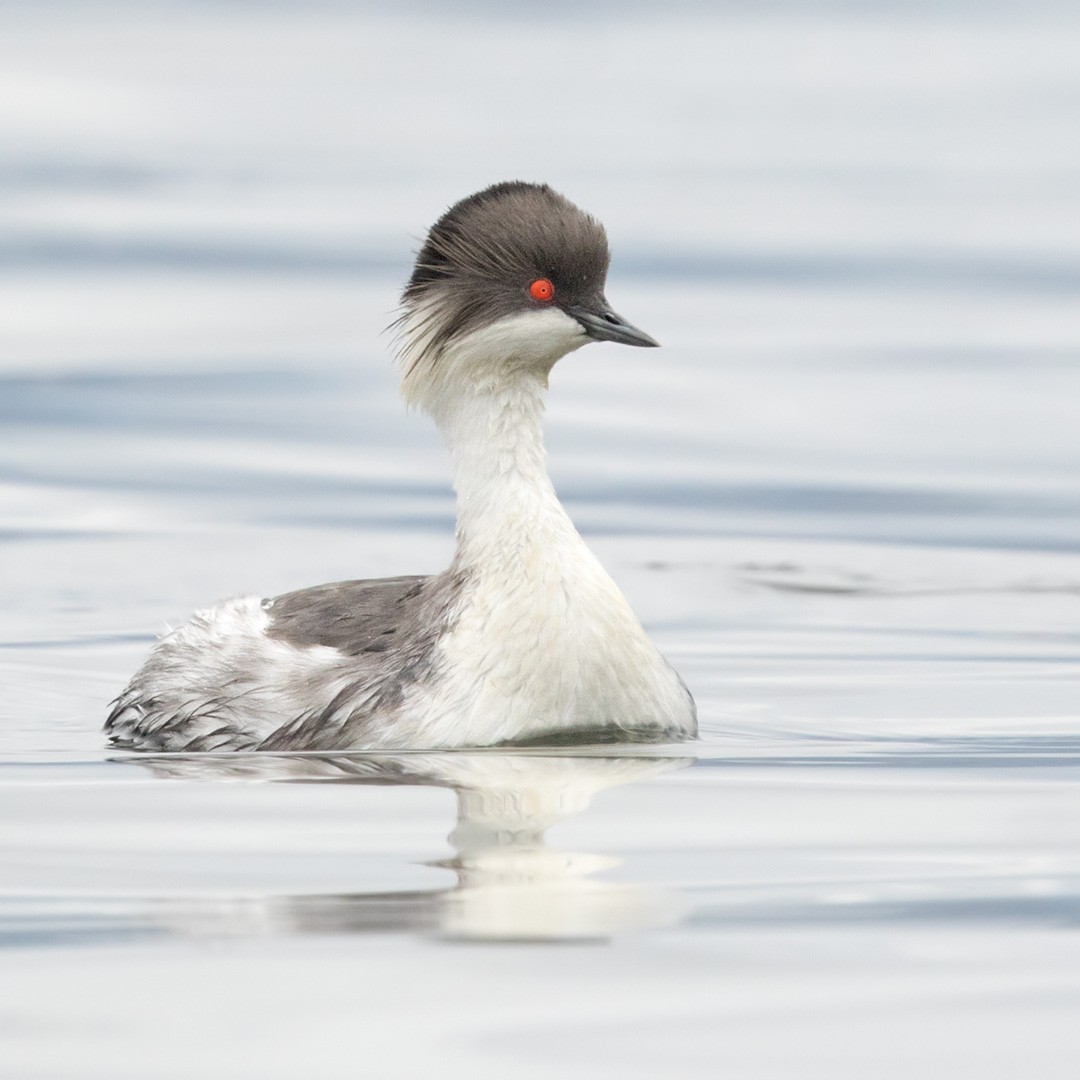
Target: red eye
{"x":542,"y":289}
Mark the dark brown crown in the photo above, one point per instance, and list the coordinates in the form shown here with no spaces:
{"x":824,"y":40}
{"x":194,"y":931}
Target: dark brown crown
{"x":482,"y":255}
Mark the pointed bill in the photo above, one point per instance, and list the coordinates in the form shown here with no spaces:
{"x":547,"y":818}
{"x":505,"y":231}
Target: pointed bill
{"x":603,"y":324}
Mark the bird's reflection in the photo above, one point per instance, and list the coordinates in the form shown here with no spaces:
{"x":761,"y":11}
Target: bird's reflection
{"x":511,"y":884}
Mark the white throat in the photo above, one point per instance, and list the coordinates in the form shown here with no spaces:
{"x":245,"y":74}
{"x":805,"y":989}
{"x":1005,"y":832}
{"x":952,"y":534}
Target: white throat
{"x":486,"y":393}
{"x":504,"y":493}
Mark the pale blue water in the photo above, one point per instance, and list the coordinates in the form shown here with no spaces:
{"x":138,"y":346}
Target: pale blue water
{"x":844,"y":498}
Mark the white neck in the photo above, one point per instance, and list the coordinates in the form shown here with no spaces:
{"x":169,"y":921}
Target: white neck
{"x":505,"y":498}
{"x":486,"y":393}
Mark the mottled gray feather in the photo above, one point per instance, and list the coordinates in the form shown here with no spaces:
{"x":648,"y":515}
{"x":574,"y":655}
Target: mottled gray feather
{"x":354,"y":617}
{"x":383,"y":636}
{"x":417,"y":611}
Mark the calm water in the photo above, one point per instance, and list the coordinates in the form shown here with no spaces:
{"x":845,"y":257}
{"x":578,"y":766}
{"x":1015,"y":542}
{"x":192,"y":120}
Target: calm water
{"x":844,"y":498}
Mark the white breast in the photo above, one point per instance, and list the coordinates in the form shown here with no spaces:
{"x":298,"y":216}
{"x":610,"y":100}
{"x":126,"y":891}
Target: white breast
{"x":545,"y":641}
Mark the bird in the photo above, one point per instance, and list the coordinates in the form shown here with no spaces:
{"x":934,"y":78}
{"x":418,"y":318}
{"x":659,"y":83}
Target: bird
{"x":524,"y":638}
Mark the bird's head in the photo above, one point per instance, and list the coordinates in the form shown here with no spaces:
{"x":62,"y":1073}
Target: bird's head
{"x":508,"y":281}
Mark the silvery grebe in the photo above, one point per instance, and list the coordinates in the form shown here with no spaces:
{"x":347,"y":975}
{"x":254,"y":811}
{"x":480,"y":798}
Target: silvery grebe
{"x":524,"y":638}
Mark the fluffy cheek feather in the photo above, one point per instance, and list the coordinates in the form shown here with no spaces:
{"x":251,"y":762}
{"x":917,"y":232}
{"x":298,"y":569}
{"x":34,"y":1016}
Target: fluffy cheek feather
{"x":491,"y":357}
